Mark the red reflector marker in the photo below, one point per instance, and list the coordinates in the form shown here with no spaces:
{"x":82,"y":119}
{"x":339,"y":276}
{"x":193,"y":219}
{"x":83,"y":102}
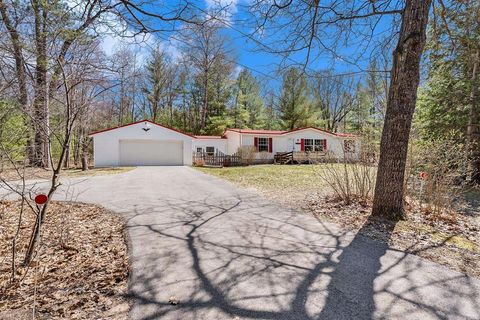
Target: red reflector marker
{"x":423,"y":175}
{"x":41,"y":199}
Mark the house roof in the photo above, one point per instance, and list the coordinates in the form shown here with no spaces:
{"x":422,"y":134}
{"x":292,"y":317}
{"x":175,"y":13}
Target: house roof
{"x":253,"y":131}
{"x":162,"y":126}
{"x":210,"y":137}
{"x":137,"y":122}
{"x":338,"y":134}
{"x":284,"y":132}
{"x":245,"y":131}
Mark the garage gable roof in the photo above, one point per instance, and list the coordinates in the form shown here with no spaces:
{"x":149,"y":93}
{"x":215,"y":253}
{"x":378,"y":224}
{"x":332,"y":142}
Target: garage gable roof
{"x":137,"y":122}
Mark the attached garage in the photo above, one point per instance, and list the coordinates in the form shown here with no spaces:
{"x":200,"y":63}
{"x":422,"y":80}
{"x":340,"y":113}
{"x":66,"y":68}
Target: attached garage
{"x":151,"y":153}
{"x":142,"y":143}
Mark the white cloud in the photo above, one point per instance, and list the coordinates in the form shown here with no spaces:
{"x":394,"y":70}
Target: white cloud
{"x":141,"y":43}
{"x":222,"y":3}
{"x":172,"y":48}
{"x":117,"y":36}
{"x":223,"y":9}
{"x":237,"y":71}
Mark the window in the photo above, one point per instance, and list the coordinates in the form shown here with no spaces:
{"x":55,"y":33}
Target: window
{"x":349,"y":146}
{"x":315,"y":144}
{"x":262,"y":144}
{"x":210,"y":150}
{"x":308,"y":145}
{"x":199,"y":149}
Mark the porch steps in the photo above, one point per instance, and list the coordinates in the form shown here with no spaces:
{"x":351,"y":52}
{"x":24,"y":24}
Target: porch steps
{"x":283,"y":158}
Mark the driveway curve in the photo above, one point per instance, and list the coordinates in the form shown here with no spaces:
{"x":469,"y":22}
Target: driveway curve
{"x":226,"y":253}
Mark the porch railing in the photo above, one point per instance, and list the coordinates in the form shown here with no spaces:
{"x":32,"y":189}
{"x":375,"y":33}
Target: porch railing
{"x":216,"y":159}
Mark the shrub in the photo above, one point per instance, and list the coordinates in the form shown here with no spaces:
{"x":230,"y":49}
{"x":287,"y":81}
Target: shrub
{"x":199,"y":162}
{"x":247,"y":154}
{"x":350,"y":180}
{"x":444,"y":165}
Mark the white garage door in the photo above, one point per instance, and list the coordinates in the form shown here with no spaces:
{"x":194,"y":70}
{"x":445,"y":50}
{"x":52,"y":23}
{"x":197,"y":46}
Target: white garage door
{"x":151,"y":153}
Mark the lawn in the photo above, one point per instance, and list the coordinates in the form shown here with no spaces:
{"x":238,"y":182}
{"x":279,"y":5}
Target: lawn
{"x":293,"y":182}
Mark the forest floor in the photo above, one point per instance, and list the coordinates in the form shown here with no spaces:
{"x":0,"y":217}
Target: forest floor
{"x":40,"y":173}
{"x":452,"y":240}
{"x":80,"y":270}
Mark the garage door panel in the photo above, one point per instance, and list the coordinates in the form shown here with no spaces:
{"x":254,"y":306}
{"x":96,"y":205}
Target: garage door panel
{"x":151,"y":153}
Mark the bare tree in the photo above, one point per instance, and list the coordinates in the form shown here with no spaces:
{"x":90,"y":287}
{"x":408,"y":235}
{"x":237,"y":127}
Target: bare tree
{"x":72,"y":109}
{"x":126,"y":74}
{"x":204,"y":47}
{"x":86,"y":69}
{"x":333,"y":98}
{"x":52,"y":41}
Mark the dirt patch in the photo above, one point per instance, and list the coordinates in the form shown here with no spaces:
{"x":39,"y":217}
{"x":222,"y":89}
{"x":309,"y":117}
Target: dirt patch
{"x":450,"y":240}
{"x":80,"y":270}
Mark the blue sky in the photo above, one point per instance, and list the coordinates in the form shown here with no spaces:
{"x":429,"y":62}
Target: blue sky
{"x":249,"y":53}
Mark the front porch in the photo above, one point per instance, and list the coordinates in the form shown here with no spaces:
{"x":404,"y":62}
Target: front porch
{"x":219,"y":159}
{"x":300,"y":157}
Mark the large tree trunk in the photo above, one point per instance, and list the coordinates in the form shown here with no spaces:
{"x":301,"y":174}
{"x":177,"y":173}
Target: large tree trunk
{"x":40,"y":107}
{"x":85,"y":142}
{"x":18,"y":55}
{"x":473,"y":129}
{"x":20,"y":72}
{"x":66,"y":162}
{"x":78,"y":145}
{"x":154,"y":111}
{"x":402,"y":96}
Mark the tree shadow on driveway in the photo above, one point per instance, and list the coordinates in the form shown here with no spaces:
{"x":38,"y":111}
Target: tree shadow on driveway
{"x":244,"y":258}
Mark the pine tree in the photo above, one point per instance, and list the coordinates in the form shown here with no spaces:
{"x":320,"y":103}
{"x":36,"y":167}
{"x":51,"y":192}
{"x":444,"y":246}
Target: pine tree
{"x":271,"y":113}
{"x":449,"y":104}
{"x":248,"y":109}
{"x":157,"y":82}
{"x":294,"y":104}
{"x":220,"y":94}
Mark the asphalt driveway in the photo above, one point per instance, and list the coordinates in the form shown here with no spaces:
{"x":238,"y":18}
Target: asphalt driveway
{"x":225,"y":253}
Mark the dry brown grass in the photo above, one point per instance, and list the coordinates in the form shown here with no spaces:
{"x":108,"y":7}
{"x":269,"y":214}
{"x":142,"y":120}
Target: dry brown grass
{"x":284,"y":183}
{"x":40,"y":173}
{"x":80,"y":270}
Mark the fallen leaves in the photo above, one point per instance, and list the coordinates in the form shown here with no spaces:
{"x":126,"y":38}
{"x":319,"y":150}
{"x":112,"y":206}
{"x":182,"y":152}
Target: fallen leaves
{"x":80,"y":269}
{"x":451,"y":241}
{"x":30,"y":173}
